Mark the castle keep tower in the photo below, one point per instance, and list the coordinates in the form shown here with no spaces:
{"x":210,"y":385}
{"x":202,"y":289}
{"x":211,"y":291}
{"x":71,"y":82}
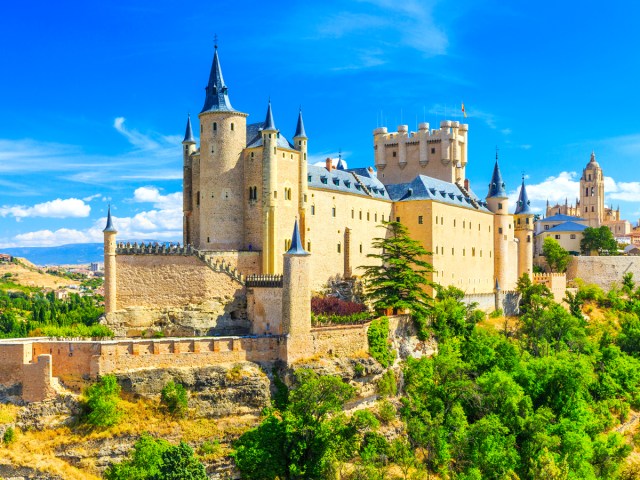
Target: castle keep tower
{"x":524,"y":232}
{"x":188,"y":149}
{"x":498,"y":204}
{"x":592,"y":193}
{"x":296,"y":300}
{"x":109,"y":265}
{"x":218,"y":177}
{"x":402,"y":155}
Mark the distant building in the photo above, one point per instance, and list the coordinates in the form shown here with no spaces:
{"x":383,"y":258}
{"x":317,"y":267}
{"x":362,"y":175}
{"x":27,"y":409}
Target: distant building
{"x":5,"y":258}
{"x":566,"y":229}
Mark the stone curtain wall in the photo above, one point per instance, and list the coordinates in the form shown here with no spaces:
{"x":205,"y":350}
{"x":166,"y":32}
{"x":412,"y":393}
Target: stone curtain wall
{"x":13,"y":355}
{"x":36,"y":385}
{"x":556,"y":282}
{"x":264,"y":308}
{"x":603,"y":271}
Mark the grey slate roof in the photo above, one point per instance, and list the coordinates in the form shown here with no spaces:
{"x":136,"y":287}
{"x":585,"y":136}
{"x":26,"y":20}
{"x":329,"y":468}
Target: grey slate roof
{"x":523,"y":205}
{"x":427,"y":188}
{"x":344,"y":181}
{"x":188,"y":134}
{"x":296,"y":243}
{"x":300,"y":127}
{"x":254,"y":137}
{"x":567,"y":227}
{"x":269,"y":124}
{"x":497,"y":187}
{"x":562,"y":218}
{"x":109,"y":227}
{"x":217,"y":98}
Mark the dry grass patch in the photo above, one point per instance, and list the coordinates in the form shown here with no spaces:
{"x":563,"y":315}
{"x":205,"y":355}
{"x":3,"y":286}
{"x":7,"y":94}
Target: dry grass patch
{"x":8,"y":413}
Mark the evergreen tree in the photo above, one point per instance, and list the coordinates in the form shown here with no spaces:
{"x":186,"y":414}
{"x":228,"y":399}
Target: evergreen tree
{"x":399,"y":277}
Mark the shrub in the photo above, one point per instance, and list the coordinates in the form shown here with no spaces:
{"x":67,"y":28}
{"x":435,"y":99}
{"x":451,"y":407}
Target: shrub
{"x":328,"y":306}
{"x":387,"y":384}
{"x":352,"y":319}
{"x":379,"y":345}
{"x":209,"y":448}
{"x":9,"y":436}
{"x":358,"y":369}
{"x":496,"y":313}
{"x":174,"y":398}
{"x":102,"y":402}
{"x":386,"y":411}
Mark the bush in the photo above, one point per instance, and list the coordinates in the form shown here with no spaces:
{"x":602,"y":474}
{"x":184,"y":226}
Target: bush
{"x":102,"y":402}
{"x":496,"y":313}
{"x":355,"y":318}
{"x":386,"y":411}
{"x":328,"y":306}
{"x":174,"y":398}
{"x":9,"y":436}
{"x":379,"y":345}
{"x":209,"y":448}
{"x":387,"y":385}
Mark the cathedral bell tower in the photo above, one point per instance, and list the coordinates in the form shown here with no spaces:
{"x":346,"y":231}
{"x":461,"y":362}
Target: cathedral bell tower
{"x":592,"y":193}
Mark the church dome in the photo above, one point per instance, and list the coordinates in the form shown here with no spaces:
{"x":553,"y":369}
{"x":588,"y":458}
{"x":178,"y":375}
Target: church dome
{"x":593,"y":163}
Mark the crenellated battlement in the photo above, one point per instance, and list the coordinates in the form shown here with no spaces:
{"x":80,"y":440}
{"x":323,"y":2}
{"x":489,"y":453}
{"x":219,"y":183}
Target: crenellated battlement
{"x":153,"y":248}
{"x":439,"y":153}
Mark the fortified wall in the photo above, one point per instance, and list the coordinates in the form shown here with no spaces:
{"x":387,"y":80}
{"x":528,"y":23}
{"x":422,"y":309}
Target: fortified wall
{"x":603,"y":271}
{"x":556,"y":282}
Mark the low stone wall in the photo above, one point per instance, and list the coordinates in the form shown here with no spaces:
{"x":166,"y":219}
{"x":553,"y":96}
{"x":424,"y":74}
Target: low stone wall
{"x":341,"y":340}
{"x":603,"y":271}
{"x":36,"y":385}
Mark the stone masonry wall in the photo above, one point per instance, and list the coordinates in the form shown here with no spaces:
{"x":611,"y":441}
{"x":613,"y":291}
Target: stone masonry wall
{"x":264,"y":308}
{"x":603,"y":271}
{"x":36,"y":385}
{"x":340,"y":340}
{"x":556,"y":282}
{"x":13,"y":355}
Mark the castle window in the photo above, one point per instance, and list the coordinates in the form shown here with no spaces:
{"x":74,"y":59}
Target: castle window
{"x":589,"y":177}
{"x":208,"y":240}
{"x":305,"y":198}
{"x":201,"y":129}
{"x":274,"y":149}
{"x":433,"y":151}
{"x":308,"y":178}
{"x":308,"y":246}
{"x":499,"y":206}
{"x":282,"y":154}
{"x":313,"y":209}
{"x":323,"y":179}
{"x":453,"y":251}
{"x":394,"y":154}
{"x":305,"y":156}
{"x":480,"y":253}
{"x":500,"y":230}
{"x":382,"y":217}
{"x":353,"y":213}
{"x":454,"y":222}
{"x":198,"y":199}
{"x":333,"y":211}
{"x":586,"y":209}
{"x":287,"y":194}
{"x":397,"y":219}
{"x":473,"y":251}
{"x":478,"y":227}
{"x":251,"y":154}
{"x":275,"y":194}
{"x":360,"y":248}
{"x":464,"y":223}
{"x":367,"y":216}
{"x":529,"y":238}
{"x":215,"y":126}
{"x":253,"y":193}
{"x":546,"y":227}
{"x":436,"y":220}
{"x":441,"y":220}
{"x":593,"y":209}
{"x":592,"y":191}
{"x":557,"y":237}
{"x":420,"y":219}
{"x":299,"y":143}
{"x":232,"y":126}
{"x":464,"y":252}
{"x":526,"y":220}
{"x":375,"y":217}
{"x":287,"y":244}
{"x":360,"y":215}
{"x":339,"y":247}
{"x":292,"y":156}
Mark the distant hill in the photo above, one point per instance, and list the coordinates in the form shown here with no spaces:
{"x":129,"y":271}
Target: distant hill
{"x":72,"y":254}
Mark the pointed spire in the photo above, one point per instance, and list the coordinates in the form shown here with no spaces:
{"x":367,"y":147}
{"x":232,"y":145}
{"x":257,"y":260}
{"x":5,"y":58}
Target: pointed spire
{"x":300,"y":133}
{"x":216,"y":98}
{"x":497,"y":287}
{"x":296,"y":243}
{"x":523,"y":205}
{"x":497,"y":186}
{"x":109,"y":228}
{"x":188,"y":134}
{"x":269,"y":124}
{"x":340,"y":165}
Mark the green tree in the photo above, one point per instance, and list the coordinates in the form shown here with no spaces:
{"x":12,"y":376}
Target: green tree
{"x":102,"y":402}
{"x":174,"y":398}
{"x":399,"y":277}
{"x":179,"y":463}
{"x":306,"y":439}
{"x":598,"y":239}
{"x":557,"y":257}
{"x":379,"y":344}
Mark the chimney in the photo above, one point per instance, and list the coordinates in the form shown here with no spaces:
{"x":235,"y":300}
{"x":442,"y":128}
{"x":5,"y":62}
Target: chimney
{"x":329,"y":163}
{"x":466,"y":184}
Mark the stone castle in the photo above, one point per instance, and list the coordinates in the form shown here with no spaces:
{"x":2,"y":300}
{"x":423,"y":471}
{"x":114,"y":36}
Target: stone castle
{"x":239,"y":286}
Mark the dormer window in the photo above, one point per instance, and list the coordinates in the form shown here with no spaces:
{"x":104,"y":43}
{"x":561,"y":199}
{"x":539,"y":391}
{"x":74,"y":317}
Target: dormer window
{"x":323,"y":179}
{"x":308,"y":178}
{"x":347,"y":183}
{"x":336,"y":181}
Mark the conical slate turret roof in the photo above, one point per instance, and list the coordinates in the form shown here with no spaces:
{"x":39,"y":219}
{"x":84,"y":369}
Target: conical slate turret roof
{"x":109,"y":227}
{"x":296,"y":243}
{"x":523,"y":205}
{"x":188,"y":134}
{"x":300,"y":133}
{"x":497,"y":187}
{"x":269,"y":124}
{"x":217,"y":98}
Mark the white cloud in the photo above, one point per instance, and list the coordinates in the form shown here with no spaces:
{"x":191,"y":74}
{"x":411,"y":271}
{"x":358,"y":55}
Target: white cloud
{"x":152,"y":194}
{"x":558,"y":189}
{"x":92,"y":197}
{"x":48,"y":238}
{"x":58,"y":208}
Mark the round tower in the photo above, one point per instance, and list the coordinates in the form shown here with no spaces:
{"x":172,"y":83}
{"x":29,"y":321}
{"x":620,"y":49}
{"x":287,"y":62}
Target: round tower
{"x":523,"y":217}
{"x":498,"y":204}
{"x":110,"y":293}
{"x":269,"y":192}
{"x":188,"y":149}
{"x":300,"y":143}
{"x":296,"y":300}
{"x":223,"y":137}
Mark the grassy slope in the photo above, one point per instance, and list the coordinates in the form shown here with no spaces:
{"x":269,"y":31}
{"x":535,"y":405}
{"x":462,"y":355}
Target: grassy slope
{"x":28,"y":275}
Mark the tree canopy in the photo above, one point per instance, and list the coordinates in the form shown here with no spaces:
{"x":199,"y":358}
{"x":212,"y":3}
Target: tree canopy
{"x":557,"y":257}
{"x":598,"y":239}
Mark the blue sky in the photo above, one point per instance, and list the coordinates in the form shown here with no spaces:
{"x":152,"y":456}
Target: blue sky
{"x":94,"y":96}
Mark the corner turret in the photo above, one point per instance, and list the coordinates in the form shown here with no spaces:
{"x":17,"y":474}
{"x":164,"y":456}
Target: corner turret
{"x":110,"y":295}
{"x":269,"y":192}
{"x":497,"y":203}
{"x":217,"y":93}
{"x":188,"y":149}
{"x":300,"y":143}
{"x":524,"y":232}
